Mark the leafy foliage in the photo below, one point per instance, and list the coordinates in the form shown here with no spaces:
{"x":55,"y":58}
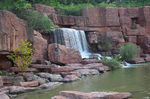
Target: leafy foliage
{"x":36,"y":20}
{"x":105,"y":42}
{"x":111,"y":62}
{"x":128,"y":51}
{"x":22,"y":55}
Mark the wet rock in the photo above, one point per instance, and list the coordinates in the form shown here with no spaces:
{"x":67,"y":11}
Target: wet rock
{"x":92,"y":95}
{"x":59,"y":54}
{"x":51,"y":77}
{"x":32,"y":77}
{"x":85,"y":72}
{"x":40,"y":52}
{"x":8,"y":80}
{"x":70,"y":78}
{"x":4,"y":96}
{"x":18,"y":89}
{"x":29,"y":84}
{"x":50,"y":85}
{"x":59,"y":97}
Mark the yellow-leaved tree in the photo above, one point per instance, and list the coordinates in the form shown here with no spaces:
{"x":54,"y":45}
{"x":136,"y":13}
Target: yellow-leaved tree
{"x":22,"y":55}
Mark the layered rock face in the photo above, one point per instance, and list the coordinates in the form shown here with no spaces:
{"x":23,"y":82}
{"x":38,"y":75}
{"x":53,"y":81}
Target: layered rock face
{"x":123,"y":24}
{"x":12,"y":31}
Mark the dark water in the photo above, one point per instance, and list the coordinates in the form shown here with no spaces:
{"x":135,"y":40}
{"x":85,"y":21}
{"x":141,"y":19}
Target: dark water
{"x":135,"y":80}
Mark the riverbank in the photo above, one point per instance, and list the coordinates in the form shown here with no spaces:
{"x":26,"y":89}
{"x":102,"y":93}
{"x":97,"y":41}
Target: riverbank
{"x":134,"y":80}
{"x":41,"y":76}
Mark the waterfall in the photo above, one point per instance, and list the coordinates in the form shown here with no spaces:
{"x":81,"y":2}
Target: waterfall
{"x":75,"y":39}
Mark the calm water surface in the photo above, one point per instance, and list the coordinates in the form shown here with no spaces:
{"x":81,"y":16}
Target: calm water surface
{"x":135,"y":80}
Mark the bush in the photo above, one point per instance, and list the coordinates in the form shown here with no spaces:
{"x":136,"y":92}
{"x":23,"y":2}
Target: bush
{"x":22,"y":56}
{"x":105,"y":42}
{"x":36,"y":20}
{"x":72,"y":9}
{"x":128,"y":51}
{"x":111,"y":62}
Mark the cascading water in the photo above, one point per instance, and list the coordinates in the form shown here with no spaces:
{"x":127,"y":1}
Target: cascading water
{"x":76,"y":39}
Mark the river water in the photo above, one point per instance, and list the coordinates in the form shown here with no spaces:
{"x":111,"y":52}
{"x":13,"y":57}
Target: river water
{"x":135,"y":79}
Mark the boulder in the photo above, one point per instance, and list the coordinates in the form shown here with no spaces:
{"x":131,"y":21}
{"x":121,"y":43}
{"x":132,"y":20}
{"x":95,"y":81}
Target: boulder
{"x":39,"y":47}
{"x":51,"y":77}
{"x":85,"y":72}
{"x":19,"y":89}
{"x":58,"y":70}
{"x":59,"y":54}
{"x":50,"y":85}
{"x":92,"y":95}
{"x":8,"y":80}
{"x":70,"y":78}
{"x":29,"y":84}
{"x":32,"y":77}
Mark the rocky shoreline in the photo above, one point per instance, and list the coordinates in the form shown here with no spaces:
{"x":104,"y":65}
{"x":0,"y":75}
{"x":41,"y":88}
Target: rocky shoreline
{"x":40,"y":76}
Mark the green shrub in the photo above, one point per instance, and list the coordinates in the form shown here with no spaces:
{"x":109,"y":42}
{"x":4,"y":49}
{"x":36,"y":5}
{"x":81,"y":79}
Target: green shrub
{"x":128,"y":51}
{"x":105,"y":41}
{"x":103,"y":4}
{"x":36,"y":20}
{"x":111,"y":62}
{"x":22,"y":56}
{"x":72,"y":9}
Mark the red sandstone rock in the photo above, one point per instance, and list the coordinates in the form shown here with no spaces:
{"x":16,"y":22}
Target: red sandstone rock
{"x":137,"y":60}
{"x":96,"y":16}
{"x":46,"y":10}
{"x":144,"y":43}
{"x":5,"y":64}
{"x":29,"y":84}
{"x":39,"y":47}
{"x":112,"y":18}
{"x":70,"y":78}
{"x":58,"y":70}
{"x":12,"y":30}
{"x":89,"y":61}
{"x":92,"y":95}
{"x":61,"y":55}
{"x":7,"y":80}
{"x":132,"y":39}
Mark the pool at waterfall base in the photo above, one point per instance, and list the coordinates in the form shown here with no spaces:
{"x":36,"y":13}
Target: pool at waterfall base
{"x":135,"y":79}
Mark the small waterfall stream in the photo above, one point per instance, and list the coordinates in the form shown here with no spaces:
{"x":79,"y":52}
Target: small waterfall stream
{"x":75,"y":39}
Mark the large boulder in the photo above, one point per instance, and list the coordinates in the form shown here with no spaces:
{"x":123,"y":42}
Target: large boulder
{"x":61,"y":55}
{"x":5,"y":64}
{"x":92,"y":95}
{"x":39,"y":47}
